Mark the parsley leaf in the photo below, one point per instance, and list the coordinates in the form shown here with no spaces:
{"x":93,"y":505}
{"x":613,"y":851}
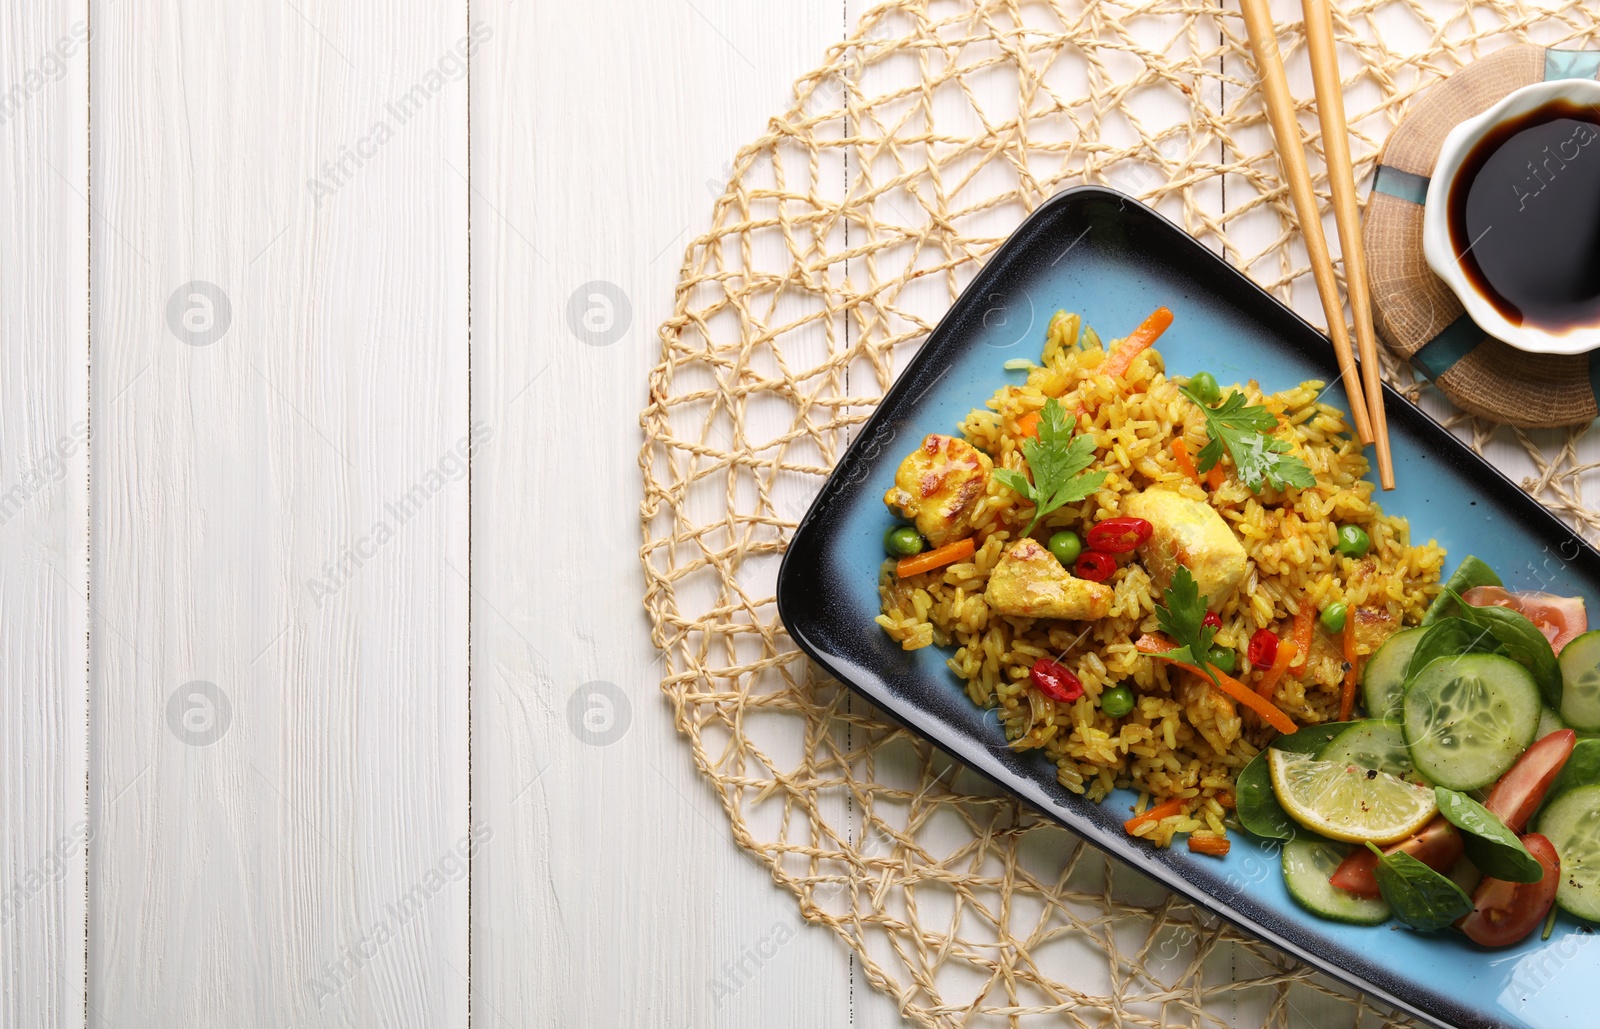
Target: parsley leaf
{"x":1246,"y":434}
{"x":1057,"y":460}
{"x":1183,"y":617}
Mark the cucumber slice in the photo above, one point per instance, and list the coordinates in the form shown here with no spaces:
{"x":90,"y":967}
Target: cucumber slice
{"x":1307,"y":864}
{"x":1468,"y":718}
{"x":1383,"y":679}
{"x":1549,"y":722}
{"x":1580,"y":682}
{"x":1374,"y":743}
{"x":1571,"y":822}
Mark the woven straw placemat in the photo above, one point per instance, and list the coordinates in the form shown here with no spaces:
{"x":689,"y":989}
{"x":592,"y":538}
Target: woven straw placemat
{"x":845,"y":231}
{"x":1416,"y":313}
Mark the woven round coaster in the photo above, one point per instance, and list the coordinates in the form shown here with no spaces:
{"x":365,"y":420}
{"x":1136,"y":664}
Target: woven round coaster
{"x":845,"y":231}
{"x":1417,"y":313}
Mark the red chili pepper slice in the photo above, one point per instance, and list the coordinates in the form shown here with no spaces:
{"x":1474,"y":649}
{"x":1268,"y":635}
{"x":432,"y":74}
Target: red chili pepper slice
{"x":1119,"y":535}
{"x":1055,"y":681}
{"x":1095,"y":566}
{"x":1212,"y":619}
{"x":1263,"y":648}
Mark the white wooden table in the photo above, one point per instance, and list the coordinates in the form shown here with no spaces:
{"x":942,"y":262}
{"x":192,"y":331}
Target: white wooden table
{"x":301,"y":724}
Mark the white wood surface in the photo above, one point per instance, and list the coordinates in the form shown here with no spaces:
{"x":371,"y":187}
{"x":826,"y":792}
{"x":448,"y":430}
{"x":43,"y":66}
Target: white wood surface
{"x":404,"y":660}
{"x":44,"y":512}
{"x":291,"y":852}
{"x":612,"y":893}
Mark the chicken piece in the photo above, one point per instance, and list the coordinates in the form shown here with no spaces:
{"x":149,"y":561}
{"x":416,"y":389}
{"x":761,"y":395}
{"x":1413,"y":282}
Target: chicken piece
{"x":1030,"y":583}
{"x":1373,"y":626}
{"x":1188,"y":533}
{"x":937,"y":486}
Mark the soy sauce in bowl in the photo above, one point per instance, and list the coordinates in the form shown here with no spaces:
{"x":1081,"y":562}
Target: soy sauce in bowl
{"x":1525,"y":217}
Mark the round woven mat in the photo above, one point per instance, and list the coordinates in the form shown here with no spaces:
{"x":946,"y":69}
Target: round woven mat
{"x":846,"y":230}
{"x":1416,"y":313}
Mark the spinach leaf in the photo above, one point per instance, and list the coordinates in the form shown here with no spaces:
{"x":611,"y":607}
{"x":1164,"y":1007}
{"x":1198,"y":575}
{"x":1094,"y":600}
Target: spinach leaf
{"x":1420,"y":897}
{"x":1257,"y":806}
{"x":1582,"y":769}
{"x":1471,"y":572}
{"x":1312,"y":738}
{"x":1490,"y":845}
{"x":1449,"y":637}
{"x":1523,"y":643}
{"x":1255,"y":803}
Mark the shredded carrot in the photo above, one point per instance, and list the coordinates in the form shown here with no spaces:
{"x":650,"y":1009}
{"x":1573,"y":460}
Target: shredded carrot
{"x":1180,"y":454}
{"x":1217,"y":846}
{"x":1302,"y":636}
{"x":1141,"y":340}
{"x":1155,"y":814}
{"x":1028,"y":424}
{"x":938,"y":557}
{"x":1216,"y":477}
{"x":1280,"y":664}
{"x":1347,"y":699}
{"x":1226,"y":800}
{"x":1154,"y":645}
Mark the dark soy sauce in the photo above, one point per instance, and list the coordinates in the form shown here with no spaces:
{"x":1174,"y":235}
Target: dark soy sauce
{"x":1525,"y":217}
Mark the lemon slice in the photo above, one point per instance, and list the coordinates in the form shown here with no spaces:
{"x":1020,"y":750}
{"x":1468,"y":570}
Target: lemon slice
{"x":1344,"y":802}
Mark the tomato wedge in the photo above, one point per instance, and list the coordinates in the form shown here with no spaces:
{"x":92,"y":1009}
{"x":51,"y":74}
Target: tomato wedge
{"x":1561,"y":619}
{"x":1437,"y":845}
{"x":1503,"y":913}
{"x":1521,"y":790}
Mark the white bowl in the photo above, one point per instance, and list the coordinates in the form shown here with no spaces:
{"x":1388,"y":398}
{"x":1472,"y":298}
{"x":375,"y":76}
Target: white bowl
{"x":1441,"y":254}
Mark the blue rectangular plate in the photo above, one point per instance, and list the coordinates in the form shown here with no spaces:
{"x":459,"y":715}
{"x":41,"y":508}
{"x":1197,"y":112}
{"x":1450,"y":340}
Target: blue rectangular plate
{"x":1113,"y":260}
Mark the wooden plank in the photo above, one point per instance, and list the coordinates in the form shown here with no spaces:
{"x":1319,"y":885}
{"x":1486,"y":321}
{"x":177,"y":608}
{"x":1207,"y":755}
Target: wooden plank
{"x":613,"y":892}
{"x":44,"y":512}
{"x":280,"y":517}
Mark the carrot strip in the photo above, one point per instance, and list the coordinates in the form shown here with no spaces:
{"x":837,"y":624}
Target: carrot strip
{"x":1155,"y":814}
{"x":1028,"y":424}
{"x":1302,"y":637}
{"x":1269,"y":712}
{"x":1180,"y":454}
{"x":1216,"y":846}
{"x":1280,"y":664}
{"x":1347,"y":699}
{"x":1141,"y":340}
{"x":938,"y":557}
{"x":1216,"y":477}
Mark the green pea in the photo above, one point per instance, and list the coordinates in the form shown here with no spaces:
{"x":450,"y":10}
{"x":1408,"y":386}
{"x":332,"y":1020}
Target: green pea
{"x":1223,"y":658}
{"x":1204,"y":385}
{"x":1116,"y":702}
{"x":1066,"y":546}
{"x":1333,"y":617}
{"x":902,"y":541}
{"x":1354,"y":541}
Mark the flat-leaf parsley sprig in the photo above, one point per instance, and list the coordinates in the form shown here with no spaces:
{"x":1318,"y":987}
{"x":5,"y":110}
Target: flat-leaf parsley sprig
{"x":1245,"y":432}
{"x":1183,"y":617}
{"x":1057,"y":460}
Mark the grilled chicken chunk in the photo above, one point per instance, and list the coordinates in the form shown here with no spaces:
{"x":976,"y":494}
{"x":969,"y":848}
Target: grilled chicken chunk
{"x":1188,"y":533}
{"x":1030,"y":583}
{"x":937,"y":486}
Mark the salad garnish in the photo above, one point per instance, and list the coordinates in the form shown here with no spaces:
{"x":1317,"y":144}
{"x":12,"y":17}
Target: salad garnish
{"x":1244,"y":433}
{"x":1057,"y":460}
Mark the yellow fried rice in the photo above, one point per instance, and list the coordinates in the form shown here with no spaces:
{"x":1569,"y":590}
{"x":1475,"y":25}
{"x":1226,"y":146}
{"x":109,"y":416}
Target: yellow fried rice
{"x":1183,"y":739}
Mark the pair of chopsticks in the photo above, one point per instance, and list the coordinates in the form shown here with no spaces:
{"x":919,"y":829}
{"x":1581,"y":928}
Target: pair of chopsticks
{"x":1366,"y":395}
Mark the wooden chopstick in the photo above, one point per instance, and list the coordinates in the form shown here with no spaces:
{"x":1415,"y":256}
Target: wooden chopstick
{"x":1342,"y":184}
{"x":1291,"y":152}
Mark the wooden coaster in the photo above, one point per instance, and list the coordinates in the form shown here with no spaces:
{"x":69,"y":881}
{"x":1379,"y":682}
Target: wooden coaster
{"x":1417,"y":314}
